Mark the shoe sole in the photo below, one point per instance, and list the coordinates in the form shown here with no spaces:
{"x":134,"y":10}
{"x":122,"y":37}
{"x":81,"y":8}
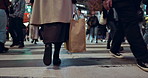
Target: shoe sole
{"x":115,"y":55}
{"x":145,"y":69}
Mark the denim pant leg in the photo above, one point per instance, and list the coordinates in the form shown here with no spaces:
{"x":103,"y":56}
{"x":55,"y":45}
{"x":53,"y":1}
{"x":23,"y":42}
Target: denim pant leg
{"x":3,"y":23}
{"x":92,"y":32}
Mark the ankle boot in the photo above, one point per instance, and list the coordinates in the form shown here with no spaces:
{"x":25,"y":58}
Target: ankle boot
{"x":56,"y":61}
{"x":47,"y":54}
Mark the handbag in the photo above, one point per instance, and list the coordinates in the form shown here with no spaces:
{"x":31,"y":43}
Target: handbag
{"x":77,"y":36}
{"x":102,"y":20}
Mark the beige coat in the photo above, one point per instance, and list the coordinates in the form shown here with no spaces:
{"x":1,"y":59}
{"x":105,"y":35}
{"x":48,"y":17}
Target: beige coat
{"x":49,"y":11}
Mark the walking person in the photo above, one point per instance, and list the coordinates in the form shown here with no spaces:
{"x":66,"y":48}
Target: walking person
{"x":93,"y":23}
{"x":34,"y":30}
{"x":3,"y":23}
{"x":54,"y":17}
{"x":16,"y":23}
{"x":128,"y":13}
{"x":112,"y":22}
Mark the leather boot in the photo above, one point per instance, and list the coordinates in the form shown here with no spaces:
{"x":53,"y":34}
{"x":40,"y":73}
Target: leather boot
{"x":47,"y":59}
{"x":56,"y":59}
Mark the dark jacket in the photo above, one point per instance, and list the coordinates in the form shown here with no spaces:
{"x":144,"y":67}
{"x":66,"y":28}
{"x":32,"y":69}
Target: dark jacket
{"x":93,"y":21}
{"x":4,"y":4}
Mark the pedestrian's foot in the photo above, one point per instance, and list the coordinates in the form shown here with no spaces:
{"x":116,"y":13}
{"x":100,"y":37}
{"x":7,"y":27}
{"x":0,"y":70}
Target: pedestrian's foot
{"x":14,"y":44}
{"x":57,"y":62}
{"x":21,"y":46}
{"x":117,"y":55}
{"x":47,"y":59}
{"x":108,"y":47}
{"x":143,"y":65}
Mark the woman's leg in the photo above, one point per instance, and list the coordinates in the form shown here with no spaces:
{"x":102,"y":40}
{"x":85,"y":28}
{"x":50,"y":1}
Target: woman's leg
{"x":56,"y":59}
{"x":47,"y":54}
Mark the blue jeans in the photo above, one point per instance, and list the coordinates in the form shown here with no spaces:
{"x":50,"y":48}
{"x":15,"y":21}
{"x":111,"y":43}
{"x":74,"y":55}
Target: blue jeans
{"x":3,"y":23}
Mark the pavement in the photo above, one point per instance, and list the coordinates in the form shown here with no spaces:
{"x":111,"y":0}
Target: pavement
{"x":96,"y":62}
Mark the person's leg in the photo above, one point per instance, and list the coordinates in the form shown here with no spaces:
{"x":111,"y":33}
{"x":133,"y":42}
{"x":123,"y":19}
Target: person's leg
{"x":92,"y":33}
{"x":109,"y":41}
{"x":12,"y":27}
{"x":136,"y":41}
{"x":117,"y":39}
{"x":128,"y":15}
{"x":19,"y":31}
{"x":3,"y":23}
{"x":47,"y":58}
{"x":56,"y":59}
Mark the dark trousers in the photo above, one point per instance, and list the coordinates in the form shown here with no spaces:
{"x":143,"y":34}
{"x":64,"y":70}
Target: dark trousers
{"x":16,"y":30}
{"x":112,"y":25}
{"x":129,"y":26}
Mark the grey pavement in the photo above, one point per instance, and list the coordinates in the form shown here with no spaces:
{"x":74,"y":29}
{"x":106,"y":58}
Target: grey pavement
{"x":96,"y":62}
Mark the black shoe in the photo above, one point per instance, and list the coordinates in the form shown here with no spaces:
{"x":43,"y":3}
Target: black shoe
{"x":21,"y":45}
{"x":108,"y":47}
{"x":14,"y":44}
{"x":28,"y":39}
{"x":32,"y":41}
{"x":117,"y":55}
{"x":143,"y":65}
{"x":56,"y":62}
{"x":35,"y":42}
{"x":47,"y":58}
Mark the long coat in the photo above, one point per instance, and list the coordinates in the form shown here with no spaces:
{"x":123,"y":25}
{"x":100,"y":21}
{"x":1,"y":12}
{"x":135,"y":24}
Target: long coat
{"x":50,"y":11}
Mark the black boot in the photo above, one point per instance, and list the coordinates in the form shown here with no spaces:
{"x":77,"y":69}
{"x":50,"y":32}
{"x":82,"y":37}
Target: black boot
{"x":56,"y":59}
{"x":47,"y":54}
{"x":14,"y":44}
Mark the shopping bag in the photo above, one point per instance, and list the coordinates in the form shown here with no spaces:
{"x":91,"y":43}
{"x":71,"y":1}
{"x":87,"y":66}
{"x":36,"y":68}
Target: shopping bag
{"x":77,"y":36}
{"x":102,"y":20}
